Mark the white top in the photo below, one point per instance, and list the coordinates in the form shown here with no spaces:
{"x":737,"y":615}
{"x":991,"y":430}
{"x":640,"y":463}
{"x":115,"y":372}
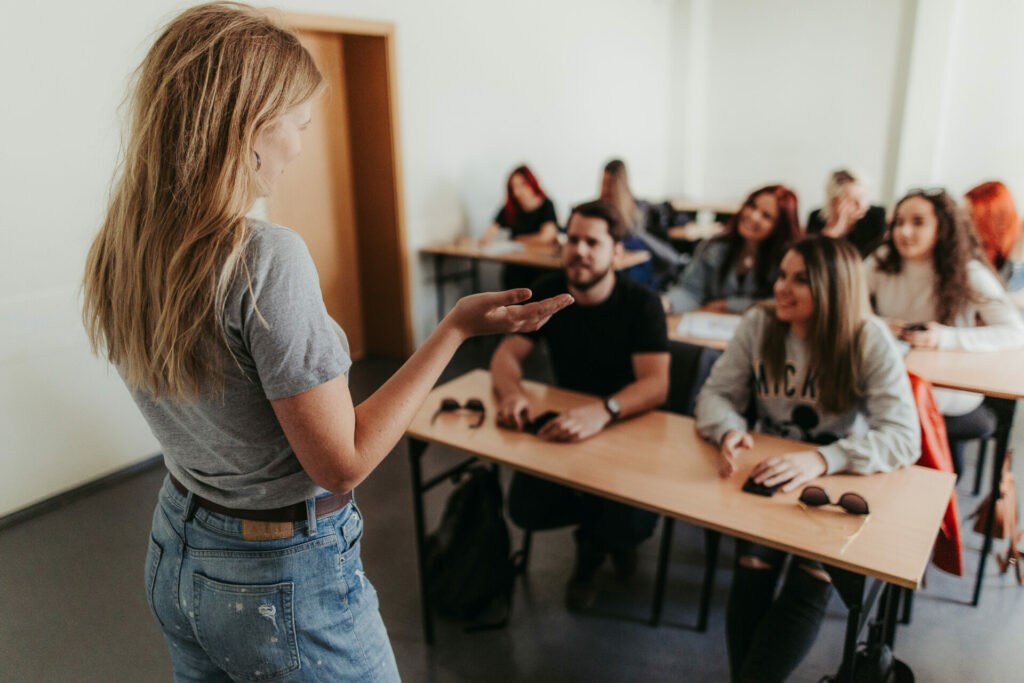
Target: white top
{"x":990,"y":324}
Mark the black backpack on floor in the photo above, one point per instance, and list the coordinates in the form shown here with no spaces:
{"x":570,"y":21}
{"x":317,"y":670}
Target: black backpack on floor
{"x":469,"y":569}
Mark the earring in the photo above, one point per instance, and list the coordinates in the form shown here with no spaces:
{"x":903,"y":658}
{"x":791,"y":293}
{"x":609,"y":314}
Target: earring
{"x":259,"y":162}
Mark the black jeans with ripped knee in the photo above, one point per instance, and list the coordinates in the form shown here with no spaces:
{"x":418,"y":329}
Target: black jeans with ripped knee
{"x":768,"y":636}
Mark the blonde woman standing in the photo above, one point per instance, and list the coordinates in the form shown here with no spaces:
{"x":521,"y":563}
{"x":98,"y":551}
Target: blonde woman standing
{"x":217,"y":326}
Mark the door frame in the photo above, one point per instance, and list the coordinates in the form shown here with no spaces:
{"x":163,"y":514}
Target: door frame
{"x":385,"y":31}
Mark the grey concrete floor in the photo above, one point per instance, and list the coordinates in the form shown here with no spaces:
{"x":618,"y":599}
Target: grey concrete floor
{"x":73,"y":607}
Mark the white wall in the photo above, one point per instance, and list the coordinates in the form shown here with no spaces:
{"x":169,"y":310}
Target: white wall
{"x":796,"y":88}
{"x":709,"y":98}
{"x":482,"y":87}
{"x":982,"y":137}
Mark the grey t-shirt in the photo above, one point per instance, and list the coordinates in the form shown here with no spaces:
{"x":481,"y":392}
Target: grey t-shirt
{"x":230,"y":448}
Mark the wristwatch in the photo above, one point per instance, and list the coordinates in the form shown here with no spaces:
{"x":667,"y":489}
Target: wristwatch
{"x":611,"y":404}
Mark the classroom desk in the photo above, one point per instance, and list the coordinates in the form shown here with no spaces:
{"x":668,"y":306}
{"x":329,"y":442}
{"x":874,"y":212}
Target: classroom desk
{"x":695,"y":232}
{"x":467,"y":249}
{"x":999,"y":375}
{"x":693,"y":205}
{"x":657,"y":461}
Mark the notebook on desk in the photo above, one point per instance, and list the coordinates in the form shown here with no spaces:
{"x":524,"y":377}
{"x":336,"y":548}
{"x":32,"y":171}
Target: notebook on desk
{"x":498,"y":248}
{"x":708,"y":325}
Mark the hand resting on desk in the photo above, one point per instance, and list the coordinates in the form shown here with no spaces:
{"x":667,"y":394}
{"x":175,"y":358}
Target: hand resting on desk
{"x":791,"y":469}
{"x":576,"y":424}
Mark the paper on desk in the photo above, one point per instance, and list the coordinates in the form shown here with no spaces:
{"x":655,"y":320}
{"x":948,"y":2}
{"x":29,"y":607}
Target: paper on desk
{"x":708,"y":326}
{"x":499,"y":247}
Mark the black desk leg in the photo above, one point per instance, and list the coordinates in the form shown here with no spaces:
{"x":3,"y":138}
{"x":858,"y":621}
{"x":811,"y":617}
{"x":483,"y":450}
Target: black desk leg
{"x":1004,"y":409}
{"x":851,"y":589}
{"x":474,"y":275}
{"x":439,"y":283}
{"x":416,"y":450}
{"x":712,"y":539}
{"x":659,"y":580}
{"x":908,"y":605}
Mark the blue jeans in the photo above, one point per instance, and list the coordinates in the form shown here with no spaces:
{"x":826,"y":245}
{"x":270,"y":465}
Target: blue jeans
{"x":293,"y":609}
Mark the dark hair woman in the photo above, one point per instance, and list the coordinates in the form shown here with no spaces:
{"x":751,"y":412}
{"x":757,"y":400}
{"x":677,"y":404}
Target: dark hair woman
{"x":733,"y":270}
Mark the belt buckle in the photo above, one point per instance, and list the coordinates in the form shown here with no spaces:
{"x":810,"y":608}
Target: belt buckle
{"x":253,"y":530}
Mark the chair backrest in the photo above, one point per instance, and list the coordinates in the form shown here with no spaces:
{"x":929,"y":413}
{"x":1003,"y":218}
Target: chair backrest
{"x":691,"y":365}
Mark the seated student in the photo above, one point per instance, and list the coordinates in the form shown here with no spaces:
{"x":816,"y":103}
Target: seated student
{"x":665,"y":260}
{"x":731,"y":271}
{"x":931,"y":274}
{"x":848,"y":214}
{"x":995,"y":216}
{"x":530,"y":216}
{"x":613,"y":344}
{"x":825,"y":371}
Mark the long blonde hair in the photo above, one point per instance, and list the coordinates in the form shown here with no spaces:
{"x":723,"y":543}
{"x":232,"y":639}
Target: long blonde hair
{"x":159,"y":271}
{"x":841,"y":306}
{"x":619,"y":195}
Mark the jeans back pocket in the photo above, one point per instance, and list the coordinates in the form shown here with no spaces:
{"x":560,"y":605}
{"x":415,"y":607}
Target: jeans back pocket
{"x":247,"y":630}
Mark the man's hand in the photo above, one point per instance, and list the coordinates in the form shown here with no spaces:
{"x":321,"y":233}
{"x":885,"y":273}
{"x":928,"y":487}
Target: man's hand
{"x":576,"y":424}
{"x":792,"y":468}
{"x":733,"y":443}
{"x":514,"y":412}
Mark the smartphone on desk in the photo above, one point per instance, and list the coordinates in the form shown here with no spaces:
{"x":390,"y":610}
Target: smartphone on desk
{"x":750,"y":486}
{"x":537,"y":423}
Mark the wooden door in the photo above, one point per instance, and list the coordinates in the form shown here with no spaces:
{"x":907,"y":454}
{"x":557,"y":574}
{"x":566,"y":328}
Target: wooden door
{"x":315,"y":196}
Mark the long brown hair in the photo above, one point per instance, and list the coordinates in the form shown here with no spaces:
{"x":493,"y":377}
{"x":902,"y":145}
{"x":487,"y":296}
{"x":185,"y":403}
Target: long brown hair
{"x":956,"y":244}
{"x":785,"y":232}
{"x":841,"y":306}
{"x":158,"y":273}
{"x":619,"y":195}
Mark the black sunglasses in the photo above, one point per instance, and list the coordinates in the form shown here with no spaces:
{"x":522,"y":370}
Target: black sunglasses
{"x":815,"y":496}
{"x":450,"y":405}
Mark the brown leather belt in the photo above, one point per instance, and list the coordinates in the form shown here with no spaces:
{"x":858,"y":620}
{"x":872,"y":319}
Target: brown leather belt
{"x":296,"y":512}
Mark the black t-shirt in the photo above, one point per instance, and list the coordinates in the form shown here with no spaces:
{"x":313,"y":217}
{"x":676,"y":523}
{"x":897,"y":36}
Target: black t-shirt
{"x":866,"y":234}
{"x":592,"y":346}
{"x":528,"y":222}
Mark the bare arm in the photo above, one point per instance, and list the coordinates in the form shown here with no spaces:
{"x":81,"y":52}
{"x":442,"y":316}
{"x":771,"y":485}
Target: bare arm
{"x":489,"y":234}
{"x":339,"y":444}
{"x":545,"y":237}
{"x":506,"y":378}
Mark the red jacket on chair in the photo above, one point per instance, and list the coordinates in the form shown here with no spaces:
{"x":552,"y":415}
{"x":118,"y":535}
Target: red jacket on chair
{"x":948,"y":553}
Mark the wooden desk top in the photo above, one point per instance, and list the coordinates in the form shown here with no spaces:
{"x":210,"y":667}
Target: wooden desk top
{"x":994,"y":373}
{"x":693,"y":232}
{"x":537,"y":258}
{"x":680,"y":204}
{"x":656,"y":461}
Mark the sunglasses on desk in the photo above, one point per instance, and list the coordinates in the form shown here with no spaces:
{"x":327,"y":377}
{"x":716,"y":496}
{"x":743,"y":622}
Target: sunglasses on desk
{"x":450,"y":405}
{"x":815,"y":496}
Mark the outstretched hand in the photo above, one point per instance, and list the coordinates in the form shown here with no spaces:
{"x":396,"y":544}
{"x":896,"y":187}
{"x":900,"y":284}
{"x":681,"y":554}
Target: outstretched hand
{"x":498,"y":312}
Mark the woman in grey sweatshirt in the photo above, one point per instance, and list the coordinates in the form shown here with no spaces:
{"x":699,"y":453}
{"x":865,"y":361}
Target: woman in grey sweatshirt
{"x":818,"y":368}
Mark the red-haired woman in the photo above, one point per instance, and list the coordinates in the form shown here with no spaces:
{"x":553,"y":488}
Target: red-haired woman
{"x":733,"y":270}
{"x":995,"y":215}
{"x":530,"y":216}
